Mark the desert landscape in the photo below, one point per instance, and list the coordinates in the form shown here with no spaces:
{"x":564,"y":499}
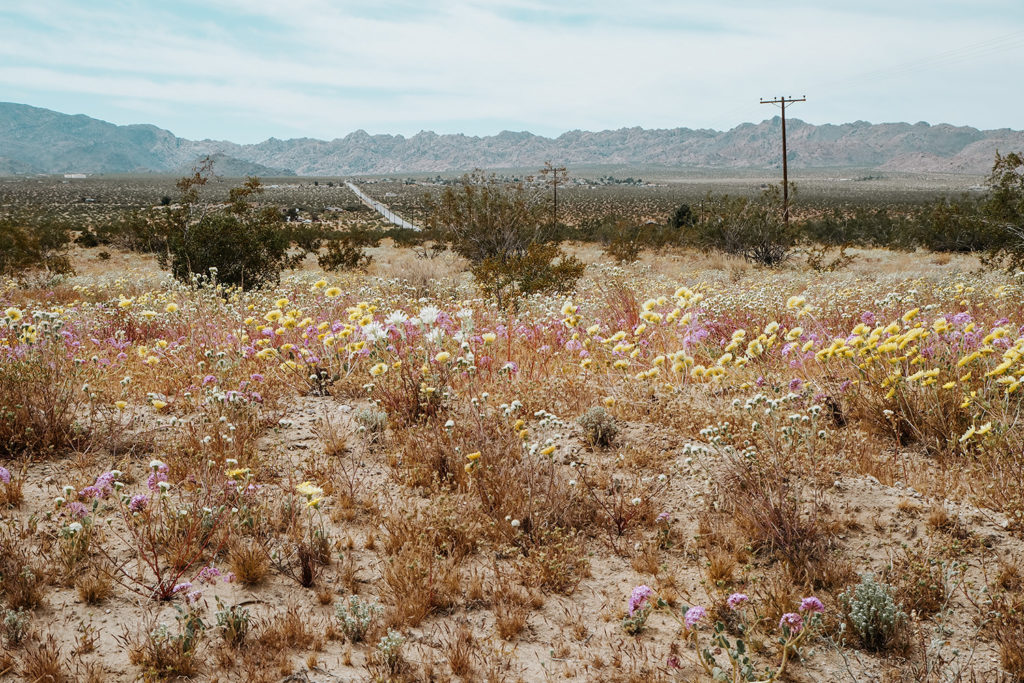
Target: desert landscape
{"x":501,"y":341}
{"x":684,"y":464}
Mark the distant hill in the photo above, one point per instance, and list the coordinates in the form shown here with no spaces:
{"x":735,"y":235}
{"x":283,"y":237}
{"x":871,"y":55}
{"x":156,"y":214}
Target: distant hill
{"x":34,"y":140}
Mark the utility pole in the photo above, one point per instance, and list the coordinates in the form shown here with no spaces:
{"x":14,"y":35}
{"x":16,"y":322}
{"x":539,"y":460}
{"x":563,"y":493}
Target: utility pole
{"x":557,"y":176}
{"x":783,"y":101}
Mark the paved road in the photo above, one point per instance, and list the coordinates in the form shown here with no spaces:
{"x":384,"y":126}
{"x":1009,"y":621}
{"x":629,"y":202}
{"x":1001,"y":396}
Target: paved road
{"x":382,"y":209}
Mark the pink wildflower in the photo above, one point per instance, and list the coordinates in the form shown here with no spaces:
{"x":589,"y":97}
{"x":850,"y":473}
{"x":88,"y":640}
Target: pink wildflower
{"x":812,"y":604}
{"x":638,"y":598}
{"x":793,"y":621}
{"x":737,"y":600}
{"x":694,"y":615}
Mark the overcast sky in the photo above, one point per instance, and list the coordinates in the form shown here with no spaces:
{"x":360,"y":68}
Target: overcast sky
{"x":246,"y":70}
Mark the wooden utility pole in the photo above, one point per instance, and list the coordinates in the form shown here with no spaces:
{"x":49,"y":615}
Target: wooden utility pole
{"x":785,"y":168}
{"x":557,"y":176}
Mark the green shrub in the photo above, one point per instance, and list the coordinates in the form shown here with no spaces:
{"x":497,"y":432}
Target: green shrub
{"x":1003,"y":211}
{"x":347,"y":252}
{"x":872,"y":613}
{"x":753,"y":229}
{"x":505,"y":234}
{"x":244,"y":245}
{"x":32,"y":245}
{"x":355,"y":617}
{"x":682,"y":217}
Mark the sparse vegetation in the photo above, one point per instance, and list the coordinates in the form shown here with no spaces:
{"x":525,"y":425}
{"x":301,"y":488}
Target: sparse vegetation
{"x":386,"y":474}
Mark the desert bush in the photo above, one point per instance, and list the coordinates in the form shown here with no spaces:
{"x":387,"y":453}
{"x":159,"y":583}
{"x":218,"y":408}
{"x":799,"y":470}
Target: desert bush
{"x":15,"y":625}
{"x":243,"y":245}
{"x":504,"y":234}
{"x":348,"y":251}
{"x":420,"y":582}
{"x":872,"y":613}
{"x":751,"y":229}
{"x":1003,"y":210}
{"x":249,"y":561}
{"x":40,"y":389}
{"x":29,"y":245}
{"x":921,"y":579}
{"x":134,"y":231}
{"x":682,"y":217}
{"x":355,"y":617}
{"x":164,"y":651}
{"x":372,"y":422}
{"x":233,"y":623}
{"x":599,"y":428}
{"x":388,"y":655}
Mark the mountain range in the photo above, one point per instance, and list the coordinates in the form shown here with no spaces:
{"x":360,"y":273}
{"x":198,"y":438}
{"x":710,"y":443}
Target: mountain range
{"x":35,"y":140}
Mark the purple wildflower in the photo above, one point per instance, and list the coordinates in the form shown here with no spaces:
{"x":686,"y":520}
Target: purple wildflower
{"x":664,"y":517}
{"x":78,"y":509}
{"x":694,"y":615}
{"x":5,"y":475}
{"x":138,"y":503}
{"x":792,"y":621}
{"x":737,"y":600}
{"x":962,"y":318}
{"x":796,"y":385}
{"x":638,"y":598}
{"x":183,"y":586}
{"x":209,"y":574}
{"x":159,"y":474}
{"x":867,"y":317}
{"x":812,"y":604}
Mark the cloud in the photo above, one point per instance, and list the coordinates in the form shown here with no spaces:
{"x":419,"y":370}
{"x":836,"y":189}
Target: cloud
{"x":248,"y":69}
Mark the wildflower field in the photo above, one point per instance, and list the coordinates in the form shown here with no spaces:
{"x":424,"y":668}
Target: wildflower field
{"x":687,"y":468}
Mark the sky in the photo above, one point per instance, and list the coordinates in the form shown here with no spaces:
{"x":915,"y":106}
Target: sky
{"x":247,"y":70}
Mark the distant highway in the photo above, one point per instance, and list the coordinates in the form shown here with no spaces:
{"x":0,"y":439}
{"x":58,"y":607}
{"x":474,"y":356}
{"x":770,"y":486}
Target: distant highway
{"x":382,"y":209}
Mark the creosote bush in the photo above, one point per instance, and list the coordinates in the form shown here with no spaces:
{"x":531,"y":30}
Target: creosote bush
{"x":30,"y":245}
{"x":504,"y":233}
{"x":243,"y":245}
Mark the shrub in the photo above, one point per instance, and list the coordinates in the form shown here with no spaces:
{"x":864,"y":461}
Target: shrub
{"x":355,"y":617}
{"x":243,"y":245}
{"x":15,"y":625}
{"x":165,"y":653}
{"x":233,"y":623}
{"x":347,"y":252}
{"x":599,"y":428}
{"x":503,"y":232}
{"x":28,"y":246}
{"x":1003,"y":210}
{"x":540,"y":268}
{"x":747,"y":228}
{"x":682,"y":217}
{"x":372,"y":422}
{"x":389,"y":653}
{"x":40,"y":390}
{"x":134,"y":232}
{"x":872,"y":613}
